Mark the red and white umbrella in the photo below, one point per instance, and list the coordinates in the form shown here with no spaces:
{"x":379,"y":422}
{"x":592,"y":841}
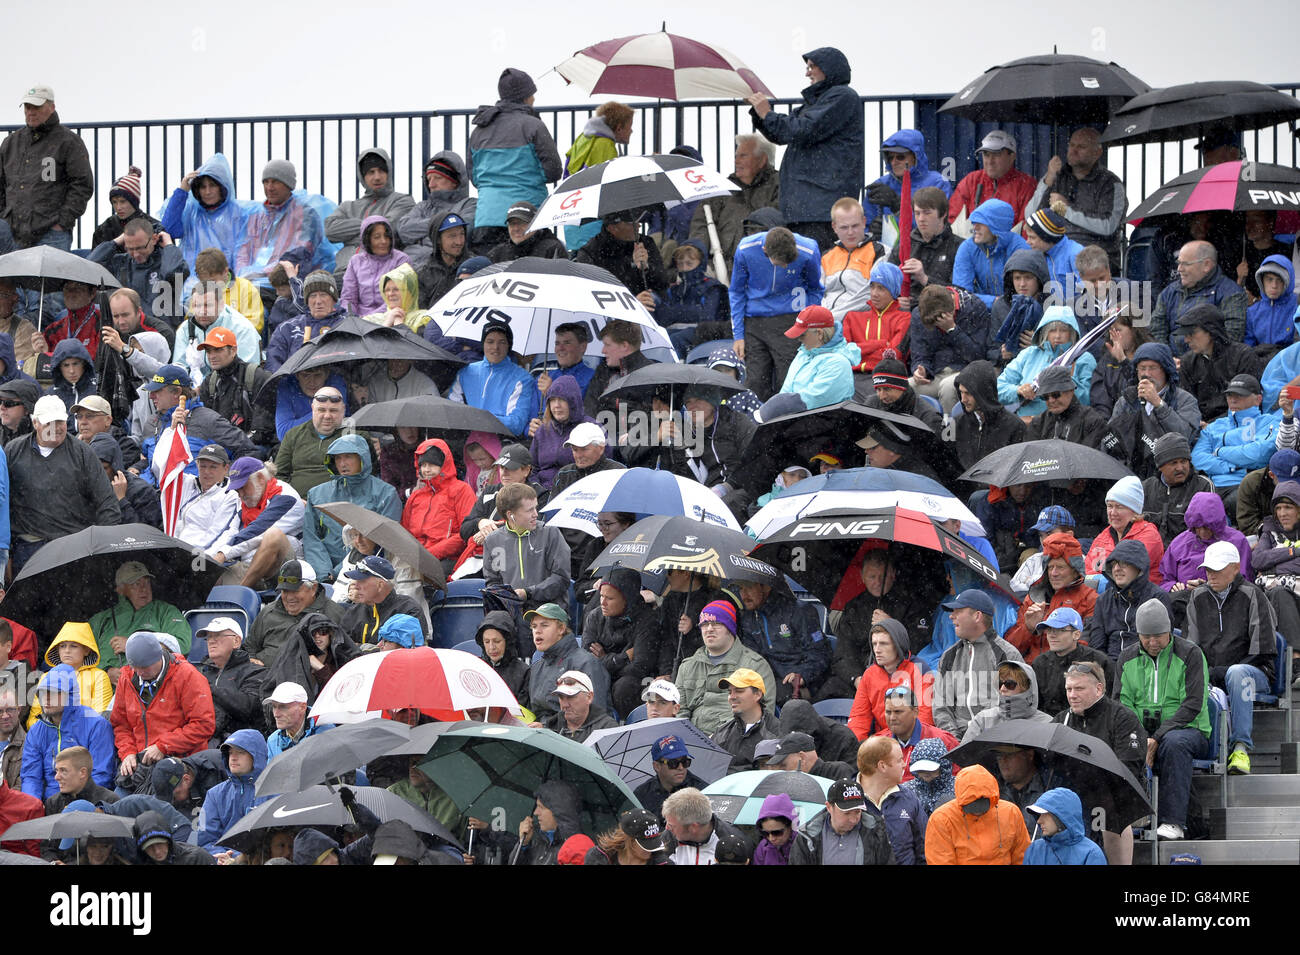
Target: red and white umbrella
{"x":662,"y":65}
{"x":441,"y":684}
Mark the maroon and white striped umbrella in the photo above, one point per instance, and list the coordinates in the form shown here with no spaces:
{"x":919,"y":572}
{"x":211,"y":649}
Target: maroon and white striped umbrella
{"x":662,"y":65}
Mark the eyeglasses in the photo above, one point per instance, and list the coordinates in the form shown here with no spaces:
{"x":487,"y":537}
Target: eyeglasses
{"x":1053,"y":395}
{"x":774,"y":833}
{"x":1009,"y":684}
{"x":683,"y":762}
{"x":607,"y":525}
{"x":9,"y":403}
{"x":892,"y":156}
{"x":570,"y":681}
{"x":328,"y":399}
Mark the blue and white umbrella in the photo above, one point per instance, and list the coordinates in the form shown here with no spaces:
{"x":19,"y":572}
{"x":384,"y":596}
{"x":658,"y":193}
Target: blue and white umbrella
{"x":626,"y":749}
{"x":638,"y":491}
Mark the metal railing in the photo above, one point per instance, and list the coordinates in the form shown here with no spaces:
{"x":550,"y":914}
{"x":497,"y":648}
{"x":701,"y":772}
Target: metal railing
{"x":324,"y":147}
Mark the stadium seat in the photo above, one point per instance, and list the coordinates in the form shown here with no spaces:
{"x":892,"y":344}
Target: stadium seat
{"x":700,"y":353}
{"x":455,"y":618}
{"x":837,"y":709}
{"x":637,"y":715}
{"x":932,"y":402}
{"x":1217,"y":764}
{"x":1279,"y":694}
{"x":470,"y":646}
{"x":241,"y":603}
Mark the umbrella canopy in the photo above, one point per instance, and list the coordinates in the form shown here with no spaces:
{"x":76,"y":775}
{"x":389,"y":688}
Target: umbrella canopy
{"x":534,"y":295}
{"x":639,"y":491}
{"x":355,"y":339}
{"x":1084,"y":763}
{"x":627,"y":183}
{"x":73,"y":577}
{"x":738,"y":798}
{"x":627,"y":749}
{"x":324,"y":755}
{"x":71,"y":825}
{"x":1194,"y":109}
{"x":487,"y":768}
{"x":659,"y":543}
{"x":1032,"y":461}
{"x":1237,"y":186}
{"x":1049,"y":88}
{"x":662,"y":65}
{"x":428,"y":411}
{"x":321,"y":806}
{"x":395,"y":539}
{"x":41,"y":263}
{"x":653,"y":377}
{"x":441,"y":684}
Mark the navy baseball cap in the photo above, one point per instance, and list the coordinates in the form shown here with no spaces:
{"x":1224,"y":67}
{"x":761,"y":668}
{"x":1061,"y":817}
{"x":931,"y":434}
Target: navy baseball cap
{"x":169,"y":375}
{"x":450,"y":222}
{"x":1052,"y":517}
{"x":372,"y":566}
{"x":668,"y":747}
{"x":975,"y":599}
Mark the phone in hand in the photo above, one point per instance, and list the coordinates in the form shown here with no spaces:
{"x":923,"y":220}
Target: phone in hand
{"x":1291,"y":392}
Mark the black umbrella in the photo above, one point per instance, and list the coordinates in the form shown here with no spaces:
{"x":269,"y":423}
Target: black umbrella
{"x":1236,"y":186}
{"x":355,"y":339}
{"x":659,"y":543}
{"x":395,"y":539}
{"x":40,"y":264}
{"x":73,"y":577}
{"x":659,"y":375}
{"x":71,"y":825}
{"x":1194,"y":109}
{"x":428,"y":411}
{"x":1030,"y":462}
{"x":1049,"y":88}
{"x":331,"y":754}
{"x":1085,"y":763}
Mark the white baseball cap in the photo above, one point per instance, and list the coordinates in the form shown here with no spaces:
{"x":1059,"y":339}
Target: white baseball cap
{"x":581,"y":436}
{"x":1220,"y":554}
{"x":571,"y":683}
{"x":51,"y":408}
{"x":663,"y":689}
{"x":217,"y":624}
{"x":288,"y":693}
{"x":37,"y":95}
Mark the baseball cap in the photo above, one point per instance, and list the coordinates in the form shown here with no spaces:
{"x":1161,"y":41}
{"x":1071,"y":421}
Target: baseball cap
{"x":571,"y":683}
{"x":167,"y":774}
{"x":1060,"y":618}
{"x":975,"y":599}
{"x":668,"y":747}
{"x":130,"y":572}
{"x":585,"y":434}
{"x":1219,"y":555}
{"x":450,"y":222}
{"x":1052,"y":517}
{"x":664,"y":689}
{"x":95,"y":404}
{"x":217,"y":624}
{"x":765,"y":750}
{"x":731,"y":849}
{"x":169,"y":375}
{"x":515,"y":456}
{"x":372,"y":566}
{"x":49,"y":410}
{"x":288,"y":693}
{"x":997,"y":140}
{"x":925,"y":765}
{"x":220,"y":338}
{"x":792,"y":743}
{"x":1243,"y":385}
{"x":522,"y":210}
{"x":551,"y":611}
{"x":846,"y":795}
{"x":293,"y":574}
{"x":622,"y":215}
{"x":213,"y":452}
{"x":814,"y":316}
{"x":37,"y":96}
{"x":643,"y":827}
{"x":241,"y":470}
{"x":741,"y":678}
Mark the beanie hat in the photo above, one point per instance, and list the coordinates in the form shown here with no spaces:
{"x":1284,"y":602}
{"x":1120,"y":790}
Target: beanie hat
{"x":1152,"y":617}
{"x":128,"y":187}
{"x":1285,"y":464}
{"x":373,"y":161}
{"x":443,"y":168}
{"x":1171,"y":447}
{"x":502,"y":327}
{"x":432,"y":455}
{"x":888,"y":275}
{"x":515,"y":85}
{"x":471,"y":265}
{"x":722,"y":612}
{"x":1128,"y":491}
{"x":1048,"y":225}
{"x":143,"y":649}
{"x":320,"y":281}
{"x":889,"y":372}
{"x":281,"y":170}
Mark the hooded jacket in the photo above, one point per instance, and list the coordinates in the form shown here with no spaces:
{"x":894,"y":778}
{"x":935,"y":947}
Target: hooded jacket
{"x":1027,"y":364}
{"x":594,"y":145}
{"x":67,"y":392}
{"x":955,"y":837}
{"x":777,"y":806}
{"x":921,"y":174}
{"x":93,"y":684}
{"x":549,"y":451}
{"x":512,"y":157}
{"x":435,"y":509}
{"x":990,"y":426}
{"x":511,"y":669}
{"x":867,"y":717}
{"x":1170,"y":689}
{"x":1070,"y":846}
{"x":178,"y":718}
{"x":730,"y":212}
{"x":1135,"y":427}
{"x":78,"y":726}
{"x":877,"y":331}
{"x":360,"y":295}
{"x":291,"y":231}
{"x":296,"y":331}
{"x":824,"y":375}
{"x":1232,"y":446}
{"x":1183,"y":556}
{"x":966,"y":680}
{"x":1112,"y":628}
{"x":939,"y":790}
{"x":695,"y":297}
{"x":1273,"y":321}
{"x":347,"y":223}
{"x":1175,"y":301}
{"x":979,"y":268}
{"x":760,"y":289}
{"x":438,"y":276}
{"x":291,"y":662}
{"x":413,"y":227}
{"x":236,"y":693}
{"x":1205,"y":376}
{"x":635,"y":629}
{"x":1275,"y":551}
{"x":322,"y":537}
{"x":565,"y":803}
{"x":823,"y":161}
{"x":1014,"y":313}
{"x":150,"y":824}
{"x":218,"y":227}
{"x":1020,"y":706}
{"x":230,"y":801}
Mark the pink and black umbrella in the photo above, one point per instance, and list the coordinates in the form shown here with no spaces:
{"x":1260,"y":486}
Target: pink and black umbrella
{"x":1238,"y":186}
{"x":661,"y":65}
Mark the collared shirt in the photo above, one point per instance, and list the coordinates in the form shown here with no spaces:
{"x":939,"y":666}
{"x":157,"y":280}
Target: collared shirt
{"x":842,"y":849}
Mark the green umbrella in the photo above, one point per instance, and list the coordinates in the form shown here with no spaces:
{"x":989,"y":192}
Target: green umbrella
{"x":488,"y":769}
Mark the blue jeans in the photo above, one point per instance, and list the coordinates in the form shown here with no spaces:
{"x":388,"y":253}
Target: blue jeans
{"x":1174,"y":758}
{"x":1245,"y":682}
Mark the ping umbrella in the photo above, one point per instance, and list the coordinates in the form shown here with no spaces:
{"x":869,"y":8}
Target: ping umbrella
{"x":659,"y":543}
{"x":355,"y":339}
{"x":73,"y":577}
{"x":1194,"y":109}
{"x":35,"y":266}
{"x":1048,"y":88}
{"x":662,"y":65}
{"x":639,"y":491}
{"x":330,"y":754}
{"x":627,"y":183}
{"x":1032,"y":461}
{"x":1237,"y":186}
{"x":627,"y":749}
{"x":397,"y":542}
{"x":534,"y":295}
{"x":440,"y":683}
{"x":738,"y":798}
{"x":428,"y":411}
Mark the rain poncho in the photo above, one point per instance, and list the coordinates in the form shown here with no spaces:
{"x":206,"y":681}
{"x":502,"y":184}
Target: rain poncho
{"x":220,"y":227}
{"x":406,"y":279}
{"x":292,"y":231}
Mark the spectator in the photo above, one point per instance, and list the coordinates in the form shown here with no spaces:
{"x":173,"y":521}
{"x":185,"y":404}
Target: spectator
{"x":313,"y":653}
{"x":283,"y":228}
{"x":499,"y":641}
{"x":562,"y":413}
{"x":299,"y":593}
{"x":848,"y":264}
{"x":525,"y":556}
{"x":129,"y":320}
{"x":1173,"y":709}
{"x":19,"y":329}
{"x":303,"y":459}
{"x":1065,"y":417}
{"x":976,"y":828}
{"x":560,"y":654}
{"x":998,"y":178}
{"x":949,"y":332}
{"x":399,"y":291}
{"x":760,"y":188}
{"x":496,"y":383}
{"x":124,"y":199}
{"x":577,"y":717}
{"x":1111,"y":628}
{"x":135,"y":610}
{"x":79,"y":319}
{"x":237,"y":390}
{"x":156,"y":846}
{"x":1063,"y":628}
{"x":1062,"y":585}
{"x":695,"y":307}
{"x":966,"y":680}
{"x":1065,"y":840}
{"x":183,"y":783}
{"x":1099,"y":295}
{"x":1021,"y":772}
{"x":750,"y":722}
{"x":695,"y":832}
{"x":440,"y":272}
{"x":12,"y":732}
{"x":1233,"y":623}
{"x":213,"y":270}
{"x":524,"y":242}
{"x":270,"y":519}
{"x":880,"y":775}
{"x":244,"y":756}
{"x":1056,"y":334}
{"x":778,"y":828}
{"x":824,"y":136}
{"x":661,"y":699}
{"x":1167,"y":493}
{"x":1260,"y":227}
{"x":570,"y":346}
{"x":1051,"y":520}
{"x":64,"y":722}
{"x":446,"y":189}
{"x":892,"y":665}
{"x":1151,"y":407}
{"x":348,"y":460}
{"x":293,"y":396}
{"x":634,"y":261}
{"x":985,"y":424}
{"x":787,"y":634}
{"x":882,"y":325}
{"x":74,"y":774}
{"x":378,"y":199}
{"x":236,"y":702}
{"x":848,"y":835}
{"x":1241,"y":441}
{"x":638,"y":840}
{"x":606,"y":130}
{"x":376,"y":256}
{"x":515,"y":465}
{"x":1047,"y":235}
{"x":1124,"y":507}
{"x":621,"y":346}
{"x":209,"y":510}
{"x":930,"y":775}
{"x":821,"y":372}
{"x":1212,"y":360}
{"x":323,"y":313}
{"x":1270,"y":322}
{"x":1206,"y":522}
{"x":981,"y":259}
{"x":1017,"y":700}
{"x":1083,"y":192}
{"x":904,"y":724}
{"x":511,"y":156}
{"x":1017,"y":311}
{"x":702,"y":677}
{"x":796,"y":752}
{"x":292,"y":725}
{"x":208,"y":311}
{"x":204,"y":212}
{"x":439,"y":503}
{"x":1200,"y":281}
{"x":934,"y":247}
{"x":155,"y":270}
{"x":376,"y":604}
{"x":75,"y":646}
{"x":72,"y":374}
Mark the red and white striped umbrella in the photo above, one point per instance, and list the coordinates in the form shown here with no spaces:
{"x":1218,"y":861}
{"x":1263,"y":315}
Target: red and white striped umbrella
{"x":662,"y":65}
{"x":441,"y":684}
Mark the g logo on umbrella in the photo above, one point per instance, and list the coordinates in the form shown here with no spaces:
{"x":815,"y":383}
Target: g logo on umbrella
{"x":474,"y":684}
{"x":572,"y":199}
{"x":693,"y":175}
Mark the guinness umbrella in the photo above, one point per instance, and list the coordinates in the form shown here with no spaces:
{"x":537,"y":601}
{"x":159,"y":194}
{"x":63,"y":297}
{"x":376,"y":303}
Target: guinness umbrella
{"x":395,"y":539}
{"x":1238,"y":186}
{"x":355,"y":339}
{"x":656,"y":544}
{"x":428,"y":411}
{"x":1051,"y":460}
{"x":1048,"y":88}
{"x":1194,"y":109}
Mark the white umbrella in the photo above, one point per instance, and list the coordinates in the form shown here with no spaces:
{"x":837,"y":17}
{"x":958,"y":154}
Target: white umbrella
{"x":639,"y":491}
{"x":626,"y":749}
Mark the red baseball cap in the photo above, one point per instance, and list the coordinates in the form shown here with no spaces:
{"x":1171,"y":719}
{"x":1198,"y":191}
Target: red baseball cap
{"x":220,"y":338}
{"x":814,"y":316}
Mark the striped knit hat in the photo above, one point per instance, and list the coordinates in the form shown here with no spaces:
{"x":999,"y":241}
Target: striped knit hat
{"x":720,"y":611}
{"x":1048,"y":225}
{"x":889,"y":372}
{"x":128,"y":187}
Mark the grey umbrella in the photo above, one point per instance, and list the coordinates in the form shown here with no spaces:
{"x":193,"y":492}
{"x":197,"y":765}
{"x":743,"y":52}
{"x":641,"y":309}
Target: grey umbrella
{"x":71,"y":825}
{"x":331,"y":754}
{"x":35,"y":266}
{"x":395,"y":539}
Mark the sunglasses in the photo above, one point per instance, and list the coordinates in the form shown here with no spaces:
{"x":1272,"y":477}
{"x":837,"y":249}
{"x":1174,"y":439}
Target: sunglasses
{"x":1053,"y":395}
{"x":892,"y":156}
{"x":571,"y":682}
{"x":8,"y":403}
{"x":328,"y":399}
{"x":289,"y":581}
{"x":1009,"y":684}
{"x":1082,"y":668}
{"x":774,"y":833}
{"x":897,"y":691}
{"x":683,"y":762}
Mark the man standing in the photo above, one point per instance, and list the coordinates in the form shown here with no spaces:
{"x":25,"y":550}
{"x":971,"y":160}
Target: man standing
{"x":998,"y":178}
{"x":760,"y":188}
{"x":299,"y":594}
{"x":750,"y":723}
{"x":135,"y":610}
{"x":703,"y":677}
{"x":849,"y":835}
{"x":1200,"y":281}
{"x":1088,"y":196}
{"x":966,"y":678}
{"x":283,"y":228}
{"x":671,"y":761}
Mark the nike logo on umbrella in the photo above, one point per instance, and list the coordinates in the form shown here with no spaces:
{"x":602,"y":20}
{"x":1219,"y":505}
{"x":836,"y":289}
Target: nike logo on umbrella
{"x":282,"y":813}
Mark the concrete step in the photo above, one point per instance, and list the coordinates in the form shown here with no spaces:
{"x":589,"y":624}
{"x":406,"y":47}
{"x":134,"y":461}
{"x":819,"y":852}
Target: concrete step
{"x":1255,"y":822}
{"x":1270,"y":723}
{"x":1224,"y":852}
{"x":1253,"y":790}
